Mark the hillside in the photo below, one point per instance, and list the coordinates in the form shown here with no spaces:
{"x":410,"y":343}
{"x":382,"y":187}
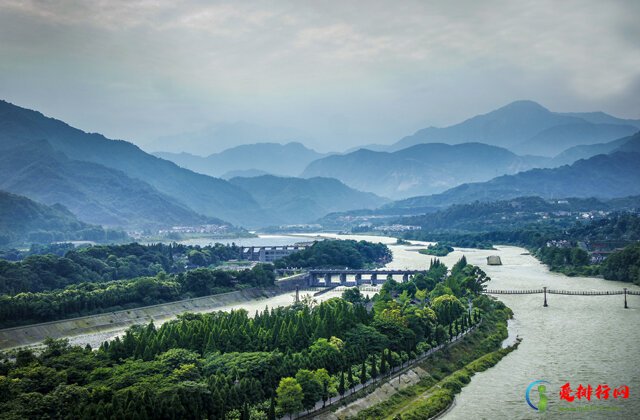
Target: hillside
{"x":24,"y":221}
{"x":586,"y":151}
{"x":202,"y":194}
{"x":527,"y":127}
{"x":296,"y":200}
{"x":601,"y":176}
{"x":94,"y":193}
{"x":272,"y":158}
{"x":421,"y":169}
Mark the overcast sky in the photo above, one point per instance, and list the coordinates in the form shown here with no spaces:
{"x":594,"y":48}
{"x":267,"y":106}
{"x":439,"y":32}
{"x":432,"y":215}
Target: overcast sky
{"x":337,"y":73}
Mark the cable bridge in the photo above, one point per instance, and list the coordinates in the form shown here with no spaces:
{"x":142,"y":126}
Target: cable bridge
{"x":546,"y":291}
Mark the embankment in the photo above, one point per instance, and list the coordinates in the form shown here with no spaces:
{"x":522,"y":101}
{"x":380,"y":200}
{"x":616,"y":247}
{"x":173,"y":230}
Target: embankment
{"x":113,"y":321}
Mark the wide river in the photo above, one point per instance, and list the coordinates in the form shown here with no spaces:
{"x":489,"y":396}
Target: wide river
{"x":588,"y":340}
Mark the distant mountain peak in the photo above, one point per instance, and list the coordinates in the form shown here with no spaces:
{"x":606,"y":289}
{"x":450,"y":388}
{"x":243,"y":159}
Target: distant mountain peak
{"x":523,"y":105}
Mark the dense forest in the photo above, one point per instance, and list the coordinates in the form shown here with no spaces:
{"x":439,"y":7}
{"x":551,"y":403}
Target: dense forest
{"x":88,"y":298}
{"x":236,"y":366}
{"x":36,"y":273}
{"x":623,"y":265}
{"x":338,"y":254}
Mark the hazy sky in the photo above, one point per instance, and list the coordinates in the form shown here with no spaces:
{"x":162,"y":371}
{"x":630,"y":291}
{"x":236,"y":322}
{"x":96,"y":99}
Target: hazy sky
{"x":338,"y":73}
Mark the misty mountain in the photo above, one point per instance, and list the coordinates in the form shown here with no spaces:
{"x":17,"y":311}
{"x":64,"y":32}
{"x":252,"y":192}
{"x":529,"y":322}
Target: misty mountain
{"x":272,"y":158}
{"x":25,"y":221}
{"x":94,"y":193}
{"x":601,"y":176}
{"x":421,"y":169}
{"x":586,"y":151}
{"x":556,"y":139}
{"x":297,"y":200}
{"x":218,"y":137}
{"x":203,"y":194}
{"x":248,"y":173}
{"x":526,"y":127}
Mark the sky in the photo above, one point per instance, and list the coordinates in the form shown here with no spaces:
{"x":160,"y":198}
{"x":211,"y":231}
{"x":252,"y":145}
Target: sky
{"x":334,"y":74}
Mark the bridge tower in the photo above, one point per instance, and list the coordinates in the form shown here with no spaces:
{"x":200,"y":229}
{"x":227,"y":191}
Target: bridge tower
{"x":625,"y":299}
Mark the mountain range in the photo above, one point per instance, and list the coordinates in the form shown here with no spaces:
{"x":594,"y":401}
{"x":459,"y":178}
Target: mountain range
{"x":422,"y":169}
{"x":115,"y":183}
{"x":93,"y":192}
{"x":296,"y":200}
{"x":526,"y":127}
{"x":602,"y":176}
{"x":288,"y":159}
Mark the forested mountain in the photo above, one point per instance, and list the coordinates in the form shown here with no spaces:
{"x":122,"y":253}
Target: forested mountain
{"x":421,"y":169}
{"x":602,"y":176}
{"x":273,"y":158}
{"x":501,"y":215}
{"x":297,"y":200}
{"x":527,"y":127}
{"x":25,"y":221}
{"x":202,"y":194}
{"x":94,"y":193}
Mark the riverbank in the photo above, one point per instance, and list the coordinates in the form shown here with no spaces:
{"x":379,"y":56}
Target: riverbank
{"x":437,"y":379}
{"x":95,"y":329}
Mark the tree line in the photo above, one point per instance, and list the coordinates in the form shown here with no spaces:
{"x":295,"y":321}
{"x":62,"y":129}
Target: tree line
{"x":338,"y":254}
{"x":96,"y":297}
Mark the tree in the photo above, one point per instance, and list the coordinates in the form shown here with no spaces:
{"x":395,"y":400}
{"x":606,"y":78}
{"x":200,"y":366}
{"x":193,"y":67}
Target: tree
{"x":363,"y":372}
{"x":447,"y":308}
{"x":341,"y":387}
{"x":374,"y":369}
{"x":352,"y":295}
{"x":289,"y":396}
{"x":311,"y":387}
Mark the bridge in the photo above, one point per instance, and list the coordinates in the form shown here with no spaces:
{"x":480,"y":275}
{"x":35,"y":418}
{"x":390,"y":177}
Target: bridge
{"x":546,"y":291}
{"x":324,"y":278}
{"x":269,"y":253}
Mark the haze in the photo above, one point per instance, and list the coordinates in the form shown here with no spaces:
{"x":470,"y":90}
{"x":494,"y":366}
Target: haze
{"x":332,"y":74}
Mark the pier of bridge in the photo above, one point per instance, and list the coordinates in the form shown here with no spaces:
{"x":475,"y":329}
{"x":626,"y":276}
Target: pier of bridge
{"x":324,"y":278}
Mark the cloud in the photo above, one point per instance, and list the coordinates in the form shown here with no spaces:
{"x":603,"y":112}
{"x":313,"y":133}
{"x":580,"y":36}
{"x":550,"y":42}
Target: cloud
{"x":141,"y":69}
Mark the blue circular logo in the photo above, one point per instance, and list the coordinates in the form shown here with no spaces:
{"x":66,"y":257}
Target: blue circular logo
{"x":542,"y":389}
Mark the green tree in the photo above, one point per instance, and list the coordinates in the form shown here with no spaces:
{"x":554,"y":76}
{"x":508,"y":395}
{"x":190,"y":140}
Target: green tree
{"x":289,"y":396}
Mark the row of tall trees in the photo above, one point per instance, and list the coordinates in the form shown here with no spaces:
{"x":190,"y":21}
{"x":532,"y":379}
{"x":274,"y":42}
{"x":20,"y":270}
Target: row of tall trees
{"x":95,"y":297}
